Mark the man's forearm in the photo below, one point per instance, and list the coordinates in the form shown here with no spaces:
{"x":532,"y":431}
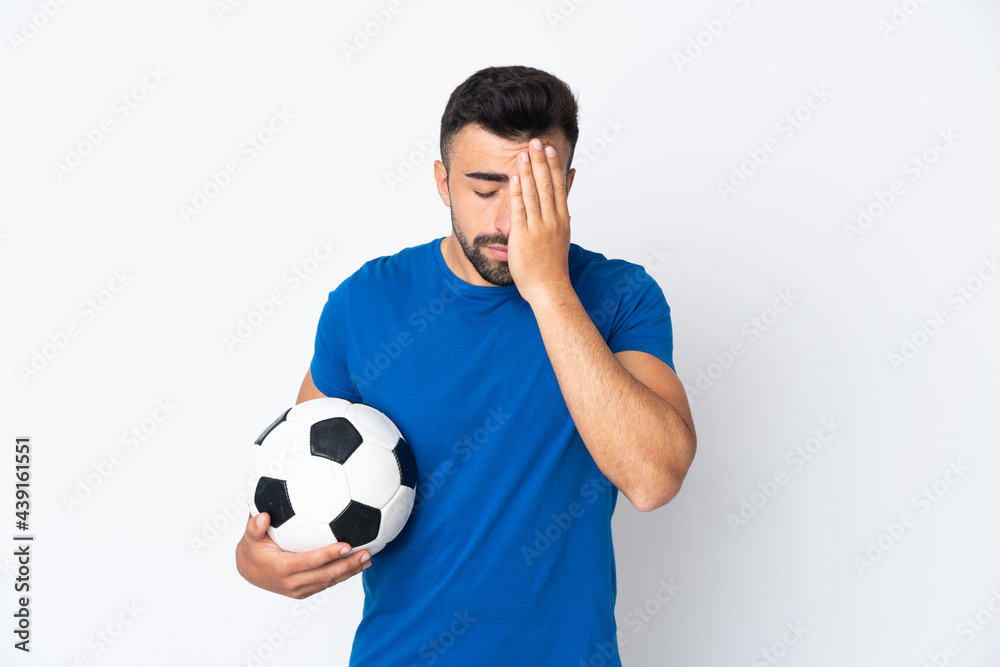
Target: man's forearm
{"x":636,"y":438}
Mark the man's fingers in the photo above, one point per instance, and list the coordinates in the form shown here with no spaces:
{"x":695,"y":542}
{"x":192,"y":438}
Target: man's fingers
{"x":517,"y":215}
{"x":311,"y":560}
{"x":558,"y":182}
{"x":329,"y":574}
{"x":529,"y":194}
{"x":334,"y":573}
{"x":290,"y":562}
{"x":540,"y":170}
{"x":335,"y":578}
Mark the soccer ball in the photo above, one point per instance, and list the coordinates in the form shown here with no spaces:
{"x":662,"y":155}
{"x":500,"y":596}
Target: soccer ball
{"x":329,"y":470}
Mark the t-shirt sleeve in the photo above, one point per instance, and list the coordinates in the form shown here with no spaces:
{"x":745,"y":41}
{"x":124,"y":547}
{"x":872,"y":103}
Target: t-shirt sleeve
{"x":329,"y":362}
{"x":642,"y":320}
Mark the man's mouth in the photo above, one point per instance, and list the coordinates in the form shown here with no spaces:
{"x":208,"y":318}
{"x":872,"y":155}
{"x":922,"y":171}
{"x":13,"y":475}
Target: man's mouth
{"x":499,"y":251}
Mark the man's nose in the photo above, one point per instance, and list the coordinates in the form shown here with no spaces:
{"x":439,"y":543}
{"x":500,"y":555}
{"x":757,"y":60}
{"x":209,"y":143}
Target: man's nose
{"x":502,"y":221}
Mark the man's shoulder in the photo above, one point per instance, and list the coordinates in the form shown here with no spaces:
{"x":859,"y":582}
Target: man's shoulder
{"x":404,"y":264}
{"x":593,"y":269}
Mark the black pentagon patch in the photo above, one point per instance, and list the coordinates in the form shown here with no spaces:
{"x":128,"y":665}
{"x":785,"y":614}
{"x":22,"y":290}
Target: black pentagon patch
{"x":407,"y":464}
{"x":358,"y":524}
{"x":271,"y":496}
{"x":260,"y":438}
{"x":334,"y":439}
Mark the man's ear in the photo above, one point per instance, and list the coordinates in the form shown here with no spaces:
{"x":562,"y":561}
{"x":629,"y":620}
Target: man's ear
{"x":569,"y":180}
{"x":441,"y":180}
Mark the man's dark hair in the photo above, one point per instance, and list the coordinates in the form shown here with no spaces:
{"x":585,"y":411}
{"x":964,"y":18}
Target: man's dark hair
{"x":515,"y":103}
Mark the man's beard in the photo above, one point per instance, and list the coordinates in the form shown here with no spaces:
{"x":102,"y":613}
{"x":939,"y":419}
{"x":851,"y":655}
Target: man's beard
{"x":492,"y":270}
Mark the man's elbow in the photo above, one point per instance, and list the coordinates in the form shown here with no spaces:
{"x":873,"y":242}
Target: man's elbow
{"x":668,"y":488}
{"x":651,"y":502}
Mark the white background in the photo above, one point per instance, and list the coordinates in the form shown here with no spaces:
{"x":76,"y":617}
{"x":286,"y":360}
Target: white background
{"x":144,"y":535}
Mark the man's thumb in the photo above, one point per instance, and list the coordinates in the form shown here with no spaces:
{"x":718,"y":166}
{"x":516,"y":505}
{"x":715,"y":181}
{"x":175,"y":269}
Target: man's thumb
{"x":258,"y":525}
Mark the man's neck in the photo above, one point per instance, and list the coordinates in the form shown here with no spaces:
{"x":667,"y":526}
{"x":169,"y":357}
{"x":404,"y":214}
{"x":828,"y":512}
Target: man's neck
{"x":459,"y":264}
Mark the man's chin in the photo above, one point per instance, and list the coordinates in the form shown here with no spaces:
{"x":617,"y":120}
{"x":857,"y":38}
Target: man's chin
{"x":498,"y":279}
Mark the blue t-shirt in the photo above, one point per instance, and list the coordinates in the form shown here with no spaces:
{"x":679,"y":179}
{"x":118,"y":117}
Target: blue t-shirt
{"x":507,"y":557}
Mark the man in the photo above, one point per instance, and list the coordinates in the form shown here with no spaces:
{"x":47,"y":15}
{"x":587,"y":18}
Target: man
{"x":533,"y":380}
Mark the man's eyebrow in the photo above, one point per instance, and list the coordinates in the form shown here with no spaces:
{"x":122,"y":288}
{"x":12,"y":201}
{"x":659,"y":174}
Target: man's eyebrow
{"x":489,"y":176}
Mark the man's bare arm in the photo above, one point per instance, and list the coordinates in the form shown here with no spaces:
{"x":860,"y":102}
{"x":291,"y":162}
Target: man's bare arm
{"x":635,"y":421}
{"x":641,"y":437}
{"x":308,"y":390}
